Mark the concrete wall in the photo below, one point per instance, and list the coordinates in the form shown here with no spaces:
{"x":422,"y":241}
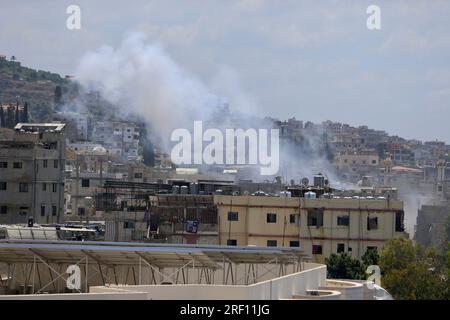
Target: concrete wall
{"x":117,"y":295}
{"x":278,"y":288}
{"x":349,"y":290}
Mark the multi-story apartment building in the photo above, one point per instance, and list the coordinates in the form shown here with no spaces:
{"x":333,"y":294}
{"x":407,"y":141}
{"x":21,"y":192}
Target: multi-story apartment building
{"x":355,"y":164}
{"x":32,"y":163}
{"x":318,"y":226}
{"x":77,"y":125}
{"x":121,"y":139}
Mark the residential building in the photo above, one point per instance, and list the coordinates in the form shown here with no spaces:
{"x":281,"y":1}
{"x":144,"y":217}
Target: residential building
{"x":121,"y":139}
{"x":318,"y":226}
{"x":32,"y":161}
{"x":431,"y":224}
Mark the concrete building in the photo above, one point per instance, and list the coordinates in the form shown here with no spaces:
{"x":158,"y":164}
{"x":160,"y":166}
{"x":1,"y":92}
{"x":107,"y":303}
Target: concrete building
{"x":32,"y":164}
{"x":77,"y":125}
{"x":121,"y":139}
{"x":352,"y":165}
{"x":431,"y":224}
{"x":318,"y":226}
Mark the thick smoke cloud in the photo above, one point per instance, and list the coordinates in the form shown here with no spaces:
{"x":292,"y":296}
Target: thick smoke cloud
{"x":143,"y":80}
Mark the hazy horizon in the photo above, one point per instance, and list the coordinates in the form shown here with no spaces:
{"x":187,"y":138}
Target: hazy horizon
{"x":303,"y":59}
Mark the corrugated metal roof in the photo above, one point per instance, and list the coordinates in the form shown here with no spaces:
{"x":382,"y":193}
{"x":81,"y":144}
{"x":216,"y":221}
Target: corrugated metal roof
{"x":159,"y":255}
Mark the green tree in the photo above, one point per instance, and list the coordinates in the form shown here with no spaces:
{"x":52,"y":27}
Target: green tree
{"x":25,"y":113}
{"x":16,"y":114}
{"x":412,"y":272}
{"x":343,"y":266}
{"x":370,"y":257}
{"x":2,"y":117}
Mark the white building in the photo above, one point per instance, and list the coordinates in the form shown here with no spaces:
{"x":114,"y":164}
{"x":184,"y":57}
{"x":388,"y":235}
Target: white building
{"x":121,"y":139}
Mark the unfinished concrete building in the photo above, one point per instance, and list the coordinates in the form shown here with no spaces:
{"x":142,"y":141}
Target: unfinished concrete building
{"x":186,"y":219}
{"x":32,"y":173}
{"x":431,"y":224}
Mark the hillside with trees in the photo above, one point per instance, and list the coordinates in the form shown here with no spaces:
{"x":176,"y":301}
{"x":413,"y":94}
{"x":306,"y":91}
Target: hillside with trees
{"x":36,"y":88}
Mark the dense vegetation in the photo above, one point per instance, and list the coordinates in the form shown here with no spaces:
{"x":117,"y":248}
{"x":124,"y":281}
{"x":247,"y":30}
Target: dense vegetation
{"x":13,"y":69}
{"x":408,"y":271}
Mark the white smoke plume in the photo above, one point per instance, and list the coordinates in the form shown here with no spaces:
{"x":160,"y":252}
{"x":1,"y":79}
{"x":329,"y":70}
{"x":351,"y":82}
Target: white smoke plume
{"x":143,"y":80}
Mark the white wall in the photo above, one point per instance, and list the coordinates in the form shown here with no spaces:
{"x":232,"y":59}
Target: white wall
{"x":278,"y":288}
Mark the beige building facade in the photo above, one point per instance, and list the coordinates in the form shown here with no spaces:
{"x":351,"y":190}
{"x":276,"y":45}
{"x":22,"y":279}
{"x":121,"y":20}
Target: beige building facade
{"x":318,"y":226}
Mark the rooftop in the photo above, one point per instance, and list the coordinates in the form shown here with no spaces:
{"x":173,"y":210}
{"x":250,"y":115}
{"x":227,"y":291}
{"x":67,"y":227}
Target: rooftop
{"x":40,"y":127}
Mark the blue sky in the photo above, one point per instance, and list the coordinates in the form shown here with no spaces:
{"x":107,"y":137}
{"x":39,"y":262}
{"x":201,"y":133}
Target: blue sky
{"x":314,"y":60}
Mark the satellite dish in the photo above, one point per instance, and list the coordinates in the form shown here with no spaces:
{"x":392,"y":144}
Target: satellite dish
{"x":305,"y":181}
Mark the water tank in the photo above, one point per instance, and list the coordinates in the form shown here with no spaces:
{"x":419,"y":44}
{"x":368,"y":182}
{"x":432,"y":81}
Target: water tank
{"x":319,"y":180}
{"x":285,"y":194}
{"x":184,"y":190}
{"x":193,"y":188}
{"x":310,"y":195}
{"x":175,"y":189}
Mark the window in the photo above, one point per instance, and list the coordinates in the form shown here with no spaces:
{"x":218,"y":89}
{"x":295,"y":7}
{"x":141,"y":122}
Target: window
{"x":128,"y":225}
{"x":81,"y":211}
{"x":3,"y":165}
{"x":294,"y":218}
{"x":23,"y":211}
{"x":231,"y":242}
{"x":54,"y":187}
{"x":138,"y":175}
{"x":399,"y":226}
{"x":374,"y":161}
{"x":271,"y":218}
{"x":3,"y":185}
{"x":271,"y":243}
{"x":3,"y":210}
{"x":54,"y":211}
{"x":44,"y":187}
{"x":42,"y":210}
{"x":17,"y":165}
{"x":23,"y":187}
{"x":316,"y":249}
{"x":55,"y":164}
{"x":85,"y":183}
{"x":315,"y":217}
{"x":232,"y":216}
{"x":45,"y":163}
{"x":343,"y":220}
{"x":372,"y":223}
{"x":294,"y":243}
{"x":340,"y":248}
